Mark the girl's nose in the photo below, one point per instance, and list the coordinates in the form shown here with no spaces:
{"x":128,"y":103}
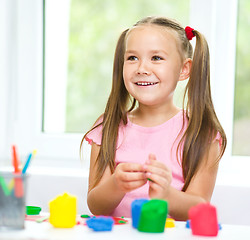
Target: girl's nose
{"x":143,"y":68}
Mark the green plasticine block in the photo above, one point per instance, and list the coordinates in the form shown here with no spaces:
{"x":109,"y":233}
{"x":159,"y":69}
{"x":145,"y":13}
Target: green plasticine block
{"x":153,"y":216}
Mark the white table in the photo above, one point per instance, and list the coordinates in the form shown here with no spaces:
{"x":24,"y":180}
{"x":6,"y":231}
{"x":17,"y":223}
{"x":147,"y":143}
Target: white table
{"x":45,"y":231}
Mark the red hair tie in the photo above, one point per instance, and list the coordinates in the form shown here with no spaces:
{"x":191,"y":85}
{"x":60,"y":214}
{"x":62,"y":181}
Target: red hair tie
{"x":189,"y":32}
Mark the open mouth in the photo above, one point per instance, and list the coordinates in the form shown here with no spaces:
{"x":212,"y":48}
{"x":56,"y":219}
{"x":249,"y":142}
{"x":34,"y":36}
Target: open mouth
{"x":145,"y":83}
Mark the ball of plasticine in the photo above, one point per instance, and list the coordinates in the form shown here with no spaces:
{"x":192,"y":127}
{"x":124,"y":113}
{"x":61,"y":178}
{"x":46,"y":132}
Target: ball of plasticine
{"x":153,"y":216}
{"x":136,"y":210}
{"x":203,"y":219}
{"x":100,"y":223}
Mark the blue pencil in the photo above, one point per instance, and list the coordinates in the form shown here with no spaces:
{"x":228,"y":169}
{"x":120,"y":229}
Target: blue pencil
{"x":31,"y":155}
{"x":27,"y":163}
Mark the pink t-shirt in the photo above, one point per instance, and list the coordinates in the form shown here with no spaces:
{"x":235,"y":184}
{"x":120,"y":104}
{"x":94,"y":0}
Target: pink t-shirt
{"x":135,"y":143}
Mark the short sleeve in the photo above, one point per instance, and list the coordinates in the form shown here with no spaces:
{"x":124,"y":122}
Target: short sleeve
{"x":218,"y":138}
{"x":95,"y":135}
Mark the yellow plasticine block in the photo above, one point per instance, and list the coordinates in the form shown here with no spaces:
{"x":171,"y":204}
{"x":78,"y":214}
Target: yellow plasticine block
{"x":63,"y":211}
{"x":170,"y":223}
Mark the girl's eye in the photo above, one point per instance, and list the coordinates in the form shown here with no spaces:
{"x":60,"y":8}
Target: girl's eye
{"x":157,"y":58}
{"x":132,"y":58}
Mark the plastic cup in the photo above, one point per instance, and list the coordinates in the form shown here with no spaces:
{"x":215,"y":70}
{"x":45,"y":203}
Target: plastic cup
{"x":12,"y":200}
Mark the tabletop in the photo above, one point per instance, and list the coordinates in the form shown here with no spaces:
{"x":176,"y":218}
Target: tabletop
{"x":45,"y":231}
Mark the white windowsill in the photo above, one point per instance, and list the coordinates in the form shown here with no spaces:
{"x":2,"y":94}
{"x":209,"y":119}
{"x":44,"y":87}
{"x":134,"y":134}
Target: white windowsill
{"x":233,"y":172}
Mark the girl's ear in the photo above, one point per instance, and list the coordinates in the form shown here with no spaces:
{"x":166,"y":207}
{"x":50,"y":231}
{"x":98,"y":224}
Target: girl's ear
{"x":186,"y":69}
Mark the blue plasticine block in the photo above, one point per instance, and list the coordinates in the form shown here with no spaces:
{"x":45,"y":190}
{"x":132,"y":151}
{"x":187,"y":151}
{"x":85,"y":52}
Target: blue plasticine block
{"x":220,"y":227}
{"x":136,"y":210}
{"x":188,"y":224}
{"x":100,"y":223}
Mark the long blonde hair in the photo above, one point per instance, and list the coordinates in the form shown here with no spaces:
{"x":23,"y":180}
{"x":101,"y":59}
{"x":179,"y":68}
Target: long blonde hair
{"x":203,"y":124}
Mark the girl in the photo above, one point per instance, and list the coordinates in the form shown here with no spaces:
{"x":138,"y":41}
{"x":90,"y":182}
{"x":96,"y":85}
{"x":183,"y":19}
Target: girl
{"x":143,"y":146}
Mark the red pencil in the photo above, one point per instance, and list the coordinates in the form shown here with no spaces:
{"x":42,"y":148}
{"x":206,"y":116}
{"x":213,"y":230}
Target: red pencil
{"x":15,"y":160}
{"x":17,"y":170}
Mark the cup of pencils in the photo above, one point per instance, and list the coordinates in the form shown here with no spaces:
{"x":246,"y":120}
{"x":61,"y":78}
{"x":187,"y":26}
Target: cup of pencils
{"x":12,"y":200}
{"x":12,"y":194}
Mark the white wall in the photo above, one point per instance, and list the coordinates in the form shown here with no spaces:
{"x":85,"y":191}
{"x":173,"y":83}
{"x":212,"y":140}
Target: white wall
{"x":232,"y":204}
{"x":42,"y":188}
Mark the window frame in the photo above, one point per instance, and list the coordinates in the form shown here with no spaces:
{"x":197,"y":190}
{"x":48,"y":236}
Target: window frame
{"x":24,"y":83}
{"x":4,"y":69}
{"x":24,"y":106}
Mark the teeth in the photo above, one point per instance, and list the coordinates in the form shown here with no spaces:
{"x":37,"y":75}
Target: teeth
{"x":145,"y":83}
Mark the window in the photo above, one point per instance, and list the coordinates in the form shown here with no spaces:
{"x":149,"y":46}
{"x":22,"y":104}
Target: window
{"x":79,"y":49}
{"x":241,"y":133}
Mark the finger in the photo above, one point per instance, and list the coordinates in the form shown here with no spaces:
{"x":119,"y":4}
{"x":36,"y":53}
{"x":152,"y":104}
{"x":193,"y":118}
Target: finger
{"x":155,"y":187}
{"x":132,"y":176}
{"x":131,"y":167}
{"x":129,"y":186}
{"x":152,"y":160}
{"x":156,"y":163}
{"x":162,"y":171}
{"x":152,"y":157}
{"x":159,"y":180}
{"x":156,"y":191}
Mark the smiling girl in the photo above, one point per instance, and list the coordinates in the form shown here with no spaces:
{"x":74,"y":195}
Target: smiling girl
{"x":142,"y":135}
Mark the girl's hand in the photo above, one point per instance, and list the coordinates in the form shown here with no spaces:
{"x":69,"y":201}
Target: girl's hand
{"x":160,"y":177}
{"x":129,"y":176}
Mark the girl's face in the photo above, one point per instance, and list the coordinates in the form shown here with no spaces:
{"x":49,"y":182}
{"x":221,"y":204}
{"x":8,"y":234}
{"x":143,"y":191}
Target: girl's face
{"x":152,"y":65}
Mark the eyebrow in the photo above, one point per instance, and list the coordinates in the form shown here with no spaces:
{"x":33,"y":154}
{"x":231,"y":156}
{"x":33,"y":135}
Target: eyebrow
{"x":131,"y":51}
{"x":158,"y":51}
{"x":151,"y":51}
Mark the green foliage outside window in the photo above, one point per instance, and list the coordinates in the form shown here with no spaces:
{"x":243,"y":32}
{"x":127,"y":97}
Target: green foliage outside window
{"x":94,"y":29}
{"x":241,"y":138}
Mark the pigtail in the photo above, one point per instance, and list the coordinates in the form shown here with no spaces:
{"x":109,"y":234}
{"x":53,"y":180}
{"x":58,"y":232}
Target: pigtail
{"x":203,"y":123}
{"x":115,"y":112}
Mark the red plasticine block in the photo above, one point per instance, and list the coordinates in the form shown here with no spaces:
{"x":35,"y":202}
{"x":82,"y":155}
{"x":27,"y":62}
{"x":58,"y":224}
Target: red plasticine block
{"x":203,"y":218}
